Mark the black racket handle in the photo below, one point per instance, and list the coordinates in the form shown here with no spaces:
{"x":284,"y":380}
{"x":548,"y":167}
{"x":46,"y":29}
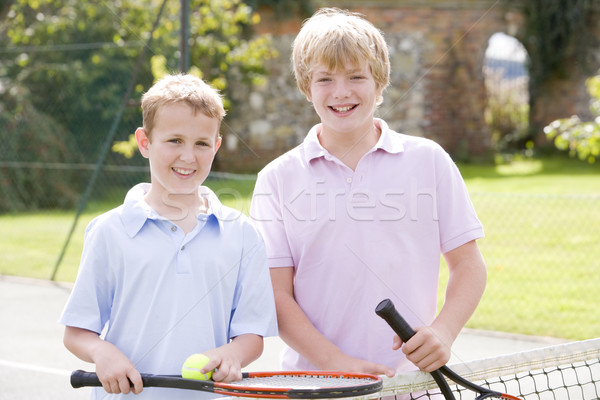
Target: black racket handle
{"x":81,"y":378}
{"x":386,"y":310}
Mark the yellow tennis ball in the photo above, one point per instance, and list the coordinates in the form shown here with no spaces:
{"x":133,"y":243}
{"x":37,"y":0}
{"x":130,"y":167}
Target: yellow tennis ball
{"x":192,"y":366}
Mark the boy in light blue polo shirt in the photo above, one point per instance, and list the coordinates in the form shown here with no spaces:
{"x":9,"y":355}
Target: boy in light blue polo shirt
{"x":171,"y":272}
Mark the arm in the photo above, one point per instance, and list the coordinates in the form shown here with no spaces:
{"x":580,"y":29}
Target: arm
{"x":114,"y":369}
{"x":430,"y":348}
{"x":299,"y":333}
{"x":232,"y":357}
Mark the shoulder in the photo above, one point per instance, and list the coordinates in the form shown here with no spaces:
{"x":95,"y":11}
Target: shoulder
{"x":231,"y":220}
{"x":395,"y":142}
{"x":288,"y":161}
{"x":108,"y":221}
{"x":421,"y":149}
{"x":288,"y":167}
{"x":415,"y":154}
{"x":419,"y":144}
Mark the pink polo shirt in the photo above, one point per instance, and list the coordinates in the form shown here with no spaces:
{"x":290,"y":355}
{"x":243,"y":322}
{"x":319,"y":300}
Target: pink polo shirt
{"x":358,"y":237}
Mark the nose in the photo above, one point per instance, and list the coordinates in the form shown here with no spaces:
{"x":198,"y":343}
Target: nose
{"x":187,"y":154}
{"x":342,"y":89}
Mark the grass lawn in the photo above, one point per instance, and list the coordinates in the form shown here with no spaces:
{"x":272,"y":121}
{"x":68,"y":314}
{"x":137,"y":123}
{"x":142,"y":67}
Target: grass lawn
{"x":542,"y":244}
{"x":542,"y":247}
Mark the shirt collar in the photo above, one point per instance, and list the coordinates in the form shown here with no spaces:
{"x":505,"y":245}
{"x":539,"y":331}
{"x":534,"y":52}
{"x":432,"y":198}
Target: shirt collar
{"x":389,"y":141}
{"x":136,"y":211}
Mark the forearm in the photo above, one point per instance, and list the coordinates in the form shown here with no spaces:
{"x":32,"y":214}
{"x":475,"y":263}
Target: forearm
{"x":83,"y":343}
{"x":296,"y":329}
{"x":114,"y":369}
{"x":300,"y":334}
{"x":430,"y":348}
{"x":466,"y":284}
{"x":248,"y":348}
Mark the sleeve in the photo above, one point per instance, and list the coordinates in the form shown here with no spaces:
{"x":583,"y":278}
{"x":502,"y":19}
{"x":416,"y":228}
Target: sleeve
{"x":458,"y":219}
{"x":89,"y":304}
{"x":254,"y":305}
{"x":266,"y":213}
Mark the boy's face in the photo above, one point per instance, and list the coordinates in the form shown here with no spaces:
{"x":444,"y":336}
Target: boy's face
{"x":344,"y":100}
{"x":181,"y":150}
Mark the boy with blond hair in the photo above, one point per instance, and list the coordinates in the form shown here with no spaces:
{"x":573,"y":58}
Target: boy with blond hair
{"x":358,"y":213}
{"x":171,"y":272}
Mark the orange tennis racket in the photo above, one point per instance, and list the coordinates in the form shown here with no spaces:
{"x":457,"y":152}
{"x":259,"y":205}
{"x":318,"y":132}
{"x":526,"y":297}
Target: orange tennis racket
{"x":275,"y":385}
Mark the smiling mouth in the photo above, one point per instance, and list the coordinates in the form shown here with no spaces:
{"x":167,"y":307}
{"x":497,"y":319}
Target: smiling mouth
{"x":184,"y":171}
{"x":343,"y":109}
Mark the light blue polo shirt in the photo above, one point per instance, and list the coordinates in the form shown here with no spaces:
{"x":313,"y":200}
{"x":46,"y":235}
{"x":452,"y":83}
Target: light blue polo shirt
{"x":162,"y":294}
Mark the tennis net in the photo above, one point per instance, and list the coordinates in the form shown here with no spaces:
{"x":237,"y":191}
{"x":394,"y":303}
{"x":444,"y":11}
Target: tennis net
{"x":568,"y":371}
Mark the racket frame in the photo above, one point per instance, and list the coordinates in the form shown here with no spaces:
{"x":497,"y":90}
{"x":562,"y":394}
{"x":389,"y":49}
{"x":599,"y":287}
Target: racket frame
{"x":81,"y":378}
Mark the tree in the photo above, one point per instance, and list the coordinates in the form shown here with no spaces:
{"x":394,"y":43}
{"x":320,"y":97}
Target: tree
{"x":75,"y":59}
{"x":37,"y":139}
{"x":4,"y":7}
{"x":222,"y":50}
{"x":559,"y":38}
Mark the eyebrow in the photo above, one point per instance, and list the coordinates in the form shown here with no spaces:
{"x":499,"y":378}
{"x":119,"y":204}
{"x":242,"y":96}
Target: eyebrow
{"x":322,"y":72}
{"x":348,"y":72}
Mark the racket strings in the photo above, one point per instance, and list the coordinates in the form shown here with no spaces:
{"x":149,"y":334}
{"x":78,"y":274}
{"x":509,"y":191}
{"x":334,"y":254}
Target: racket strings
{"x":302,"y":382}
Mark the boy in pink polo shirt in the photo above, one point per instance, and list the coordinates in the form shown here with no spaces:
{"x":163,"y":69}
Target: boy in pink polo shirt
{"x":358,"y":213}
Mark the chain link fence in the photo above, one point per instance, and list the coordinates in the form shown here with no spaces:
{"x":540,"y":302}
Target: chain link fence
{"x":538,"y":248}
{"x":543,"y":254}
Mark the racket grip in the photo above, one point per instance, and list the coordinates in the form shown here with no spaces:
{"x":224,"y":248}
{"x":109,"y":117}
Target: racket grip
{"x":386,"y":310}
{"x":81,"y":378}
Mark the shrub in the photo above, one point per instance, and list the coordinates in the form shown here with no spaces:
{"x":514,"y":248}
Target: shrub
{"x":579,"y":138}
{"x":34,"y":149}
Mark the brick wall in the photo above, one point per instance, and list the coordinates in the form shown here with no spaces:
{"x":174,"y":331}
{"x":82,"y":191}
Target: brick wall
{"x":437,"y":87}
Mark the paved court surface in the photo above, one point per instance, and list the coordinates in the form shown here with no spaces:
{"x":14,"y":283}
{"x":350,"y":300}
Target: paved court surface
{"x":35,"y":365}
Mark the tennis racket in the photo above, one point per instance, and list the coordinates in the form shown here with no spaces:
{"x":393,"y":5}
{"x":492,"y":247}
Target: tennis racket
{"x":274,"y":385}
{"x":388,"y":312}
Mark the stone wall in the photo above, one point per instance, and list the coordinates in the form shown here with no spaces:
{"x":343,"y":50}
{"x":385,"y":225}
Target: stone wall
{"x":437,"y":86}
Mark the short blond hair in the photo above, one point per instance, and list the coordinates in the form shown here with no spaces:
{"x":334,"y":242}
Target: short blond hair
{"x":181,"y":88}
{"x":333,"y":38}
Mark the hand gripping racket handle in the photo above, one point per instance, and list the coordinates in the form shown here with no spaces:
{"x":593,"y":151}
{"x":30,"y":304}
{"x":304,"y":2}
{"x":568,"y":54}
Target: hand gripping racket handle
{"x":81,"y":379}
{"x":386,"y":310}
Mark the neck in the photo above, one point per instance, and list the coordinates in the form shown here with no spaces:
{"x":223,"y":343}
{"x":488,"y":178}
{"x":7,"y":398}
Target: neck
{"x":349,"y":148}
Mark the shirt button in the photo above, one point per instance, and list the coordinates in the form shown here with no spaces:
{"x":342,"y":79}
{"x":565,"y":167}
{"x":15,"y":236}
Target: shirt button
{"x":173,"y":228}
{"x":349,"y":180}
{"x":182,"y":248}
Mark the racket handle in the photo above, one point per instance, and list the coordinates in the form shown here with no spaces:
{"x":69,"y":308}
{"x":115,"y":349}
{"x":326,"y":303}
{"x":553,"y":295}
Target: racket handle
{"x":386,"y":310}
{"x":81,"y":378}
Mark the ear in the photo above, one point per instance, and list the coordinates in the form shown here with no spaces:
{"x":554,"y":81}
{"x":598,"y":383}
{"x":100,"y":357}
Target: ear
{"x":218,"y":142}
{"x":142,"y":141}
{"x":307,"y":94}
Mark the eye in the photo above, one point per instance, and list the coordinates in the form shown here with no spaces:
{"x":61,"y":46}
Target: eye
{"x":174,"y":140}
{"x":202,"y":143}
{"x":323,"y":78}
